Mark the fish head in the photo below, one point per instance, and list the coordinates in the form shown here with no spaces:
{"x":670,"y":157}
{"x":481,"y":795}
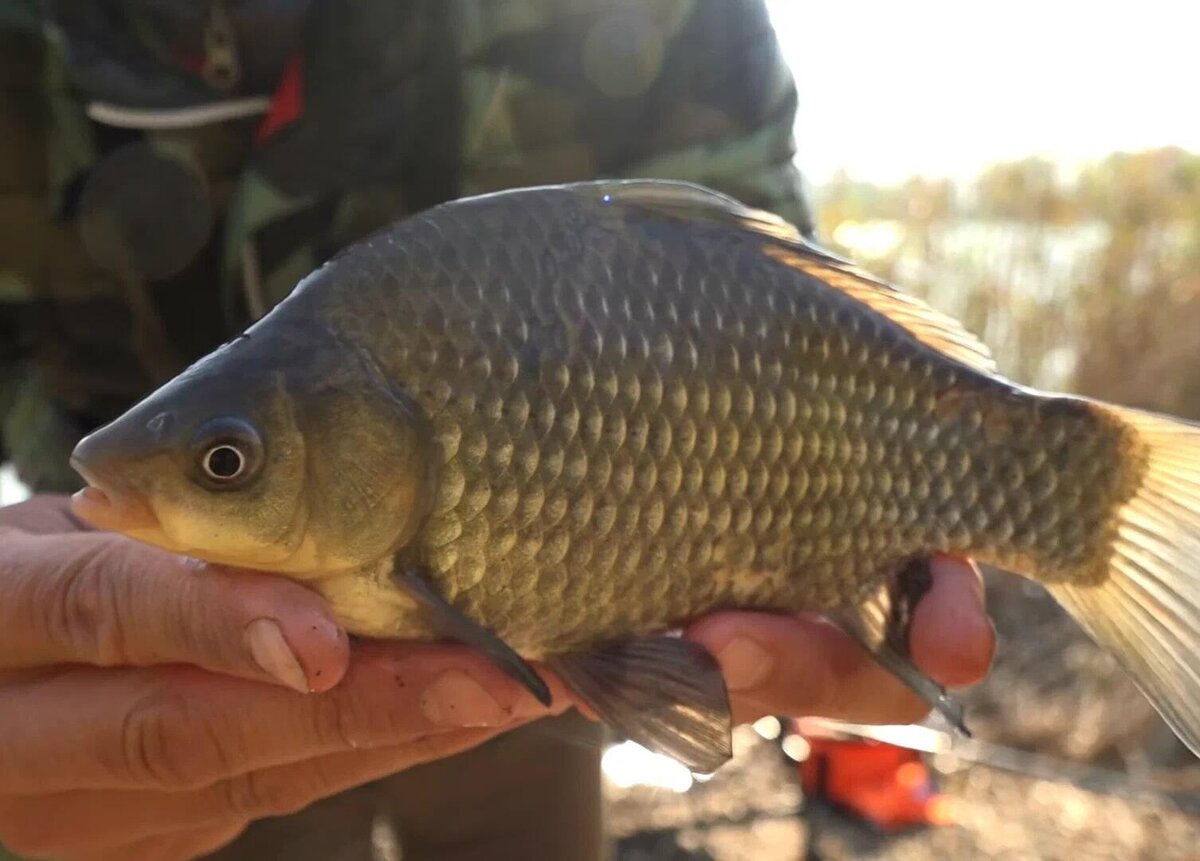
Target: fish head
{"x":280,"y":457}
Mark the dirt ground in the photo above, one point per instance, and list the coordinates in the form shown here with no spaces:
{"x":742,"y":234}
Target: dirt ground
{"x":1051,"y":692}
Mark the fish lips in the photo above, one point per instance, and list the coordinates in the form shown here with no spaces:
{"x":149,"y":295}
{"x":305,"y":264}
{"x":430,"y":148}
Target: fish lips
{"x":106,"y":503}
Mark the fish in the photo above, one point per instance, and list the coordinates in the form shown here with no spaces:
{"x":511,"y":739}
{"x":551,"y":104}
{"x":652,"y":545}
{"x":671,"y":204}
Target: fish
{"x":556,"y":423}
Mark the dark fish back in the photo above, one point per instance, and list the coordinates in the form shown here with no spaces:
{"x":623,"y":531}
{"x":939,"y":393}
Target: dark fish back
{"x":643,"y":417}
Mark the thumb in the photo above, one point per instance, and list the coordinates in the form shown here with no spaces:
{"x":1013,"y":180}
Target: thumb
{"x":102,"y":599}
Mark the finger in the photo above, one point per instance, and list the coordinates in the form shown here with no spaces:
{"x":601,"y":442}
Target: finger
{"x":807,"y":666}
{"x":105,"y":600}
{"x":44,"y":514}
{"x":951,"y":637}
{"x":101,"y":819}
{"x":173,"y":847}
{"x":288,"y":789}
{"x":115,"y":818}
{"x":801,"y":666}
{"x":182,"y":728}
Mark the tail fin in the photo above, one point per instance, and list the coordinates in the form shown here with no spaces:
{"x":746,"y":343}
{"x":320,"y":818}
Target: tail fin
{"x":1148,"y":610}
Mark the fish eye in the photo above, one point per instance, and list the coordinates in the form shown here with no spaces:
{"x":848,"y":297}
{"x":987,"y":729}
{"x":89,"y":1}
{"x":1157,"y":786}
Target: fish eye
{"x":224,"y":462}
{"x":228,"y":453}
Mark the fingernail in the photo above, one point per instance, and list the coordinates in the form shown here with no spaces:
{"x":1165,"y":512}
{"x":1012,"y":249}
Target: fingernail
{"x":745,"y":664}
{"x":456,"y":699}
{"x":274,"y":655}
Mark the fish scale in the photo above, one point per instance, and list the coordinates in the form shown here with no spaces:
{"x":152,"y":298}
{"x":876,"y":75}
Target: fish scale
{"x":554,"y":423}
{"x":830,"y":427}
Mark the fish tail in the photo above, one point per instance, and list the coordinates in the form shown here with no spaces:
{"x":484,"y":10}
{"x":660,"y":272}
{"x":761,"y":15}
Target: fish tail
{"x":1147,"y":610}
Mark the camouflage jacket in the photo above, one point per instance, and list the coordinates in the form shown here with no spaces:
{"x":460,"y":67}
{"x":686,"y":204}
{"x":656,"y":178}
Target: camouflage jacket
{"x":168,"y":171}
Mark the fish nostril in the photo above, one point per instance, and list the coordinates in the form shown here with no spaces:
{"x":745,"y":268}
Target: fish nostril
{"x":160,"y":425}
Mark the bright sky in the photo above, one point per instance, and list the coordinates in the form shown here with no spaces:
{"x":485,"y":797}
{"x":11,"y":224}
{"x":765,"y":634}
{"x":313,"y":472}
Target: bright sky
{"x":889,"y":88}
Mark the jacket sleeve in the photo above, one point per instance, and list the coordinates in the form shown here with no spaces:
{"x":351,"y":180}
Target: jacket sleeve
{"x":726,"y":114}
{"x":22,"y":196}
{"x":28,"y":425}
{"x":694,"y":90}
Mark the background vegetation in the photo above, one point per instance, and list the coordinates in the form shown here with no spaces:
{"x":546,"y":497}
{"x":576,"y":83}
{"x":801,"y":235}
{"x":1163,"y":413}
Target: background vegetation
{"x":1088,"y":283}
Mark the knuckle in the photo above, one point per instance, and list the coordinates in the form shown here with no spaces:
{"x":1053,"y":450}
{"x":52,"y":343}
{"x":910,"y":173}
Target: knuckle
{"x":167,"y":743}
{"x":345,"y":719}
{"x":258,"y":794}
{"x":334,"y":719}
{"x":88,"y":614}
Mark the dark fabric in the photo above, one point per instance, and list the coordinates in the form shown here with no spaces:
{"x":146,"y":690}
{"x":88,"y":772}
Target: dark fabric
{"x":148,"y":53}
{"x":531,"y":795}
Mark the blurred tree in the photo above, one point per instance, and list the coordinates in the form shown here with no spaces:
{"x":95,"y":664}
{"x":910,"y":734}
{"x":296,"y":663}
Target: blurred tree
{"x":1089,"y":283}
{"x":1139,"y":318}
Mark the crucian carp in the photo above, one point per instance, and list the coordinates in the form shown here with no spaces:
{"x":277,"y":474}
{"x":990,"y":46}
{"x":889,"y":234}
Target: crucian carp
{"x":556,"y":423}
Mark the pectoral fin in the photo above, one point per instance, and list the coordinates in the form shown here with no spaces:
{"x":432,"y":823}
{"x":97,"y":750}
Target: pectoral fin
{"x":665,"y":693}
{"x":451,"y":623}
{"x":881,"y":626}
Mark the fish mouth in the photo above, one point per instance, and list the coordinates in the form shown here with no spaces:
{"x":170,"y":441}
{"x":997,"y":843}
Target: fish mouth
{"x":105,"y":505}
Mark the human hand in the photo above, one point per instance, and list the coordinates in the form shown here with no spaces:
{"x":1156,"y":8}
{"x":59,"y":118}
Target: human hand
{"x":805,"y":666}
{"x":150,"y":707}
{"x":43,"y":514}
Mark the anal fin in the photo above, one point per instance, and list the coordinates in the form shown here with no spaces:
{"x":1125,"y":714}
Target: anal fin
{"x":451,"y":623}
{"x":881,"y":626}
{"x":665,"y":693}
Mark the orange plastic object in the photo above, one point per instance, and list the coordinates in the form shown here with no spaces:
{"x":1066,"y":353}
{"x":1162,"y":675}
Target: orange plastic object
{"x":889,"y":786}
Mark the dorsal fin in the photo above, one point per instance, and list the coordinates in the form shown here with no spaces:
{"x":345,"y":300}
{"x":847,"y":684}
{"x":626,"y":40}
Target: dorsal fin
{"x":691,"y":202}
{"x":784,"y":243}
{"x":927,"y":324}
